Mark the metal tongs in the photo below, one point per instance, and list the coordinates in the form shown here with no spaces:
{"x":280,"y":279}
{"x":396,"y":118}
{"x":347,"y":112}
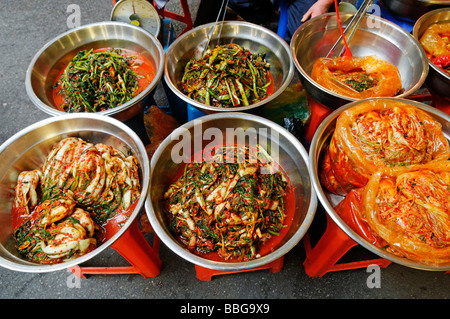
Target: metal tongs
{"x":350,"y":29}
{"x":220,"y":16}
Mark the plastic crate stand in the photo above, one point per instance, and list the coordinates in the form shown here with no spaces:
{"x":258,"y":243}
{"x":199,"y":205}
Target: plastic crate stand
{"x":434,"y":100}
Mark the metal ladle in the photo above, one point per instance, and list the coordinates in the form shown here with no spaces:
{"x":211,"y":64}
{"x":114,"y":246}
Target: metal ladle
{"x":221,"y":17}
{"x":350,"y":30}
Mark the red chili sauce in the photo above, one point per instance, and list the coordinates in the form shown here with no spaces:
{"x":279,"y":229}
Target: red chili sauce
{"x":350,"y":209}
{"x":271,"y":87}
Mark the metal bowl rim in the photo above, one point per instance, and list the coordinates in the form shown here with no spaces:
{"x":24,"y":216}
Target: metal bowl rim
{"x":36,"y":268}
{"x":351,"y":99}
{"x":217,"y":265}
{"x":55,"y":112}
{"x":314,"y":166}
{"x":199,"y":105}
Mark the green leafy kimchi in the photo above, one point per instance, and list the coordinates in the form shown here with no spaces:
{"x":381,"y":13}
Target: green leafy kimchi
{"x":229,"y":204}
{"x":227,"y":76}
{"x":97,"y":81}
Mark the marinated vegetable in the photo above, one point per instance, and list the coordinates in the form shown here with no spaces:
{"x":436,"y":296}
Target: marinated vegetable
{"x":59,"y":209}
{"x":227,"y":76}
{"x":436,"y":42}
{"x":405,"y":210}
{"x":98,"y":80}
{"x":378,"y":134}
{"x":230,"y":204}
{"x":58,"y":232}
{"x":358,"y":77}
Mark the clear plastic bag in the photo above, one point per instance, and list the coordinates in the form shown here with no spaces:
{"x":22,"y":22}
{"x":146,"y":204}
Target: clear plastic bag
{"x":358,"y":77}
{"x":405,"y":210}
{"x":378,"y":134}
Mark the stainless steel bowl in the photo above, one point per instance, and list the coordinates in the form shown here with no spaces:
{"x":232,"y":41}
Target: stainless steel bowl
{"x":285,"y":149}
{"x":28,"y":149}
{"x":437,"y":80}
{"x":56,"y":54}
{"x":251,"y":37}
{"x":328,"y":200}
{"x":413,"y":9}
{"x":375,"y":36}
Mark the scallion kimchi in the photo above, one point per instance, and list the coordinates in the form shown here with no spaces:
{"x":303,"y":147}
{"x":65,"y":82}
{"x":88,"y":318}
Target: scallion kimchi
{"x":227,"y":76}
{"x":229,"y":204}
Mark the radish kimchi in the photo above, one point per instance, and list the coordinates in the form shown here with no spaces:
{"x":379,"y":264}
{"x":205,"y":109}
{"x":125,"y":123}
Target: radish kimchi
{"x":436,"y":42}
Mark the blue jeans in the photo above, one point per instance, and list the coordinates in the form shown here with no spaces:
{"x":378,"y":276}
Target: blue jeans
{"x":296,"y":10}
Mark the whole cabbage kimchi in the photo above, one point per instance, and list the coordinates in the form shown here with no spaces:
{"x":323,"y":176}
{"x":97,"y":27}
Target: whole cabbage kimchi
{"x":60,"y":209}
{"x":405,"y":210}
{"x":436,"y":43}
{"x":358,"y":77}
{"x":378,"y":134}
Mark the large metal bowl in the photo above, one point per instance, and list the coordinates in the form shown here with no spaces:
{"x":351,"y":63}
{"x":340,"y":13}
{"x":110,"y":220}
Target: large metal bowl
{"x":285,"y":149}
{"x":375,"y":36}
{"x":28,"y":149}
{"x":328,"y":200}
{"x":56,"y":54}
{"x":250,"y":36}
{"x":437,"y":80}
{"x":413,"y":9}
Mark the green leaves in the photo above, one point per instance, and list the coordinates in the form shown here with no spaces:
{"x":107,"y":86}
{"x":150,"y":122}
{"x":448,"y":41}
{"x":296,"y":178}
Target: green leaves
{"x":97,"y":81}
{"x":227,"y":76}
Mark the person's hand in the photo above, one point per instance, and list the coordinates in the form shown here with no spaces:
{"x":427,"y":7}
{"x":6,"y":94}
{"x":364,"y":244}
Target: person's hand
{"x":318,"y":8}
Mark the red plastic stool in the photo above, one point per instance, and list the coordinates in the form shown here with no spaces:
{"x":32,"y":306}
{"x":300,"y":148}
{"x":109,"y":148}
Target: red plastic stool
{"x":184,"y":18}
{"x":331,"y":247}
{"x":334,"y":243}
{"x":205,"y":274}
{"x":318,"y":113}
{"x":133,"y":246}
